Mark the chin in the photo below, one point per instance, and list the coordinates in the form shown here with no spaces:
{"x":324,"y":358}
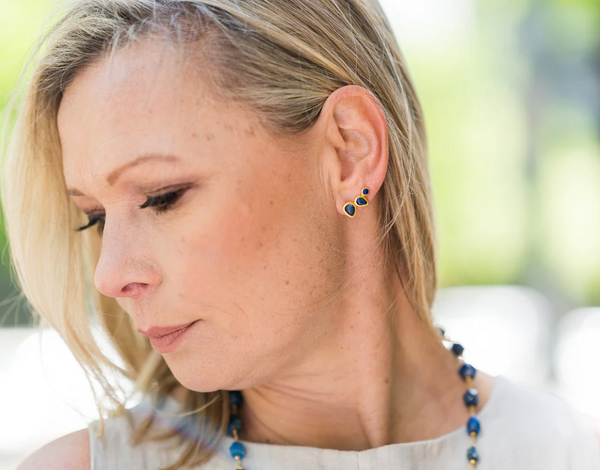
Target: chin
{"x":198,"y":375}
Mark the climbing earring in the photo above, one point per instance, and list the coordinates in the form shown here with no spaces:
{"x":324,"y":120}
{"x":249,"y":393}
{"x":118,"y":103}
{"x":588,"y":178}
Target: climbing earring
{"x":360,"y":200}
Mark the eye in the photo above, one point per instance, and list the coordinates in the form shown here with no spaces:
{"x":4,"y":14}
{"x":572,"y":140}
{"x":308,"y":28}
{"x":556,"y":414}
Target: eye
{"x":161,"y":203}
{"x":93,"y":220}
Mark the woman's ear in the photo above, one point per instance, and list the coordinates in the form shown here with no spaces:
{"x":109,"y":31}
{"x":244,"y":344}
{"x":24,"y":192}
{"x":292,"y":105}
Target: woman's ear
{"x":356,"y":131}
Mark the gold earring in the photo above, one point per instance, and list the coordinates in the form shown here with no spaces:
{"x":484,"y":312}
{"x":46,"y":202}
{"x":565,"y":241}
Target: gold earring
{"x":350,"y":209}
{"x":360,"y":200}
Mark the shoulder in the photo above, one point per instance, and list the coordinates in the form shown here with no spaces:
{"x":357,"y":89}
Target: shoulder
{"x":545,"y":410}
{"x":540,"y":419}
{"x":69,"y":452}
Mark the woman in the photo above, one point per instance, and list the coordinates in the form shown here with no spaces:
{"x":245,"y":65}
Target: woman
{"x":262,"y":252}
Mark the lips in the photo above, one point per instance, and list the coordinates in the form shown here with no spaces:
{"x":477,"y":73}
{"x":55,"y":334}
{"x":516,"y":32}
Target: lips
{"x":169,"y":342}
{"x":160,"y":331}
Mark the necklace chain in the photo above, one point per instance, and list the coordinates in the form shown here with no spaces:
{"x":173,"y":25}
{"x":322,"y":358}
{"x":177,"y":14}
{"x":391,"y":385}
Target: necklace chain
{"x":470,"y":399}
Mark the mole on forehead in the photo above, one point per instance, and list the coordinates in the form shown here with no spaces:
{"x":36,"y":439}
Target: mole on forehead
{"x":114,"y":175}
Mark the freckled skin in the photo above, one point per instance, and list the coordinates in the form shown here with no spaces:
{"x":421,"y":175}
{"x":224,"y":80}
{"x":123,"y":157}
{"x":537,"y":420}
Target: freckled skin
{"x":298,"y":308}
{"x":237,"y":251}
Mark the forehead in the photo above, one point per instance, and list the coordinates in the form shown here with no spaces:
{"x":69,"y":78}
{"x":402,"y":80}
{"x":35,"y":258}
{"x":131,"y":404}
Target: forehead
{"x":141,"y":100}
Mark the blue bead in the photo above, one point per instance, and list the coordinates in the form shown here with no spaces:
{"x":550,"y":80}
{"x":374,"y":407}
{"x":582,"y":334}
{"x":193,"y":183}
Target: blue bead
{"x":473,"y":425}
{"x":365,"y":191}
{"x":350,"y":209}
{"x":360,"y":201}
{"x":235,"y":422}
{"x":467,"y":370}
{"x":235,"y":397}
{"x":457,"y":349}
{"x":237,"y":449}
{"x":472,"y":454}
{"x":471,"y":397}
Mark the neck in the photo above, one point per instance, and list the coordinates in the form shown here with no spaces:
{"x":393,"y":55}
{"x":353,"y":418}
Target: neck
{"x":380,"y":376}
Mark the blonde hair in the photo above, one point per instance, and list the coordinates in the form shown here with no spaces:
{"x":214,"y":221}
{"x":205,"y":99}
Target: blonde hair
{"x":282,"y":60}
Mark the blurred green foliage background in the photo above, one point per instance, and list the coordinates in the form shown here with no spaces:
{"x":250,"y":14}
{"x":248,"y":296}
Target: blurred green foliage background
{"x":511,"y":93}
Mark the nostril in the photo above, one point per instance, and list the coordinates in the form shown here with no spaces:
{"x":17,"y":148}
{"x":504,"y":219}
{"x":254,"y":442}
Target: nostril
{"x":132,"y":286}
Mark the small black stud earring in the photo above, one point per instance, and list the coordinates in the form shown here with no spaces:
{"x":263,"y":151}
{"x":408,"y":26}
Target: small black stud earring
{"x":359,"y":201}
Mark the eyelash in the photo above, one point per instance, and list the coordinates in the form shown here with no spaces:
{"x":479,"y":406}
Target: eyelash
{"x":162,"y":203}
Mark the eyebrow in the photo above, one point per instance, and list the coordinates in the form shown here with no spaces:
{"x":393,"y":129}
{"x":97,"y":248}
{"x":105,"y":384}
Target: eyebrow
{"x":114,"y":175}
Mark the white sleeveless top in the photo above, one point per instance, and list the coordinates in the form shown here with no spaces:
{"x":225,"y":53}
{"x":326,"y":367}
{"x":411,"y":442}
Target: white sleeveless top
{"x":522,"y":428}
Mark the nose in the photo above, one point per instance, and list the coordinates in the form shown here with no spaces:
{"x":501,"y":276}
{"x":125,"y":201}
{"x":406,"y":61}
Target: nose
{"x":125,"y":267}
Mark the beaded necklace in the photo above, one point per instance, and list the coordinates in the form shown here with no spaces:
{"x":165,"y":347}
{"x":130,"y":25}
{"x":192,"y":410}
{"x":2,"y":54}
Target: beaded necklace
{"x":470,"y":399}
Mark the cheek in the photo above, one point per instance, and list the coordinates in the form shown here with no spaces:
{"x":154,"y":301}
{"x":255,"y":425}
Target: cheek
{"x":261,"y":272}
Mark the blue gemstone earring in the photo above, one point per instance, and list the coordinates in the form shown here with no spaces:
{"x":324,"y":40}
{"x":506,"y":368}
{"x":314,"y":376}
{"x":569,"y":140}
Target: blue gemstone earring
{"x":359,"y":201}
{"x":362,"y":200}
